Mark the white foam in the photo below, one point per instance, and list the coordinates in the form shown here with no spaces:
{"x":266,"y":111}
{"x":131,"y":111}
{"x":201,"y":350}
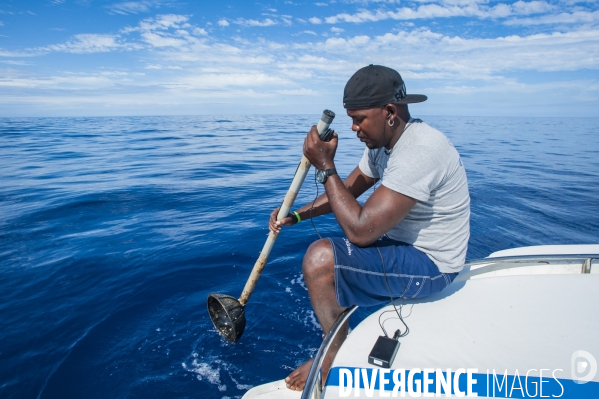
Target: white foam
{"x":281,"y":259}
{"x":205,"y":372}
{"x":300,"y":280}
{"x":241,"y":387}
{"x":310,"y":319}
{"x":211,"y":372}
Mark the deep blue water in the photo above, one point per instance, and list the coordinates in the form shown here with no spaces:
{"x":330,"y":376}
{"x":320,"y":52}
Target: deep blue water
{"x":114,"y":230}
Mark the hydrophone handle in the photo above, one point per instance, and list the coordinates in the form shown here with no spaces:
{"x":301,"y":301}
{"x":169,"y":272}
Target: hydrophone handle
{"x":304,"y":166}
{"x":323,"y":125}
{"x":300,"y":175}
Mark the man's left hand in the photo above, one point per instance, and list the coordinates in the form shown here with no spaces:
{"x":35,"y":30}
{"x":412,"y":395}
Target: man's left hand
{"x":320,"y":153}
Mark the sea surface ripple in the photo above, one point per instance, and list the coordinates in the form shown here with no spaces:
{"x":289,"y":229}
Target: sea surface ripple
{"x":114,"y":230}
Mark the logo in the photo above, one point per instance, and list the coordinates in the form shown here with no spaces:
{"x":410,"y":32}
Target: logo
{"x":348,"y":245}
{"x":462,"y":382}
{"x":401,"y":92}
{"x":583,"y":367}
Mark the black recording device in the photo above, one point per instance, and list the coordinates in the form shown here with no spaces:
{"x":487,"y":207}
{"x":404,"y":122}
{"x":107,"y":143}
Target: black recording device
{"x":384,"y":351}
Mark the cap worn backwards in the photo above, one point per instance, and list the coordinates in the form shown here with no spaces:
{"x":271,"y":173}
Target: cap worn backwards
{"x":377,"y":85}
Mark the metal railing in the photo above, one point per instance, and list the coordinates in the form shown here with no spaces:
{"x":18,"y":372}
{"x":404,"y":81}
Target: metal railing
{"x":532,"y":258}
{"x":514,"y":262}
{"x":313,"y":387}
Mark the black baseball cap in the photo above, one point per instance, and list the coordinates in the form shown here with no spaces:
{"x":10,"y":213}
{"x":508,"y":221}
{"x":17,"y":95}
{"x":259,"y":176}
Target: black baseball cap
{"x":377,"y":85}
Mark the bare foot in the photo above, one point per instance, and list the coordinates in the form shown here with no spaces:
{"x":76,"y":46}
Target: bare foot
{"x":297,"y":379}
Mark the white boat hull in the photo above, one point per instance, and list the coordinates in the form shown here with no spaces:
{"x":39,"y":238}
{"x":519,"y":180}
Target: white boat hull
{"x":522,"y":321}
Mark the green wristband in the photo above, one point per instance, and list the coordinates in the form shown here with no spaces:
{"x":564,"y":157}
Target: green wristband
{"x":295,"y":217}
{"x":299,"y":218}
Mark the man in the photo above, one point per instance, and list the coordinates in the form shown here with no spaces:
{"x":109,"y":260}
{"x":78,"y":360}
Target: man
{"x":410,"y":237}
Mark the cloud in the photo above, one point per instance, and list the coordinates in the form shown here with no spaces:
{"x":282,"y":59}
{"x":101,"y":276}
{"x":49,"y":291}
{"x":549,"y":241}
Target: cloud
{"x":572,"y":2}
{"x":19,"y":54}
{"x":68,"y":81}
{"x":88,"y":43}
{"x":163,"y":22}
{"x":253,"y":22}
{"x":299,"y":92}
{"x":158,"y":40}
{"x":157,"y":66}
{"x":423,"y":52}
{"x":430,"y":11}
{"x":179,"y":61}
{"x":133,"y":7}
{"x":366,"y":2}
{"x":20,"y":63}
{"x":461,"y":3}
{"x":159,"y":32}
{"x":167,"y":31}
{"x":238,"y":79}
{"x":578,"y":17}
{"x":531,"y":7}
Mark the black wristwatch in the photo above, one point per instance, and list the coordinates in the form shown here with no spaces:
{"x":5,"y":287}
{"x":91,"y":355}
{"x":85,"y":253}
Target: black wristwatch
{"x":323,"y":175}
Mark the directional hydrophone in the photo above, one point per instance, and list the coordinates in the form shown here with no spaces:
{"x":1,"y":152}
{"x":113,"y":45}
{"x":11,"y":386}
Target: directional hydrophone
{"x":228,"y":313}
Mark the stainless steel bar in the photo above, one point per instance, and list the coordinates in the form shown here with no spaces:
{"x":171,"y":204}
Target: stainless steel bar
{"x":315,"y":375}
{"x":531,"y":258}
{"x":586,"y":267}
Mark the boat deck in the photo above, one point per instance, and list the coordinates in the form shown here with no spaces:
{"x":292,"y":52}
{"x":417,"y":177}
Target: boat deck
{"x":515,"y":313}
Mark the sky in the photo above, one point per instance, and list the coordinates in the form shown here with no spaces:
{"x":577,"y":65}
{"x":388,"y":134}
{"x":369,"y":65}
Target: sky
{"x":171,"y":57}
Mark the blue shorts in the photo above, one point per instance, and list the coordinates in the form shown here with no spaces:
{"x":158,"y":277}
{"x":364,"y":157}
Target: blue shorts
{"x":360,"y":276}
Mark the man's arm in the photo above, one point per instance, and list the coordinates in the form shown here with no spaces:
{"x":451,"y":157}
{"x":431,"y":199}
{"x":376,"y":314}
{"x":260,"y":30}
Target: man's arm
{"x":362,"y":225}
{"x":356,"y":183}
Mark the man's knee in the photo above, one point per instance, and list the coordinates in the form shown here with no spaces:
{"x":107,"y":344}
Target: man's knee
{"x":318,"y":260}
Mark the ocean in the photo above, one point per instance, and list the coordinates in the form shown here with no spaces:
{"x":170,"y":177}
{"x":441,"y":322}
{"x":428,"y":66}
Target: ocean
{"x":113,"y":231}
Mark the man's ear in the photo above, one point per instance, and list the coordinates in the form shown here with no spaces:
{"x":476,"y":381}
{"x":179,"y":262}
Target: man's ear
{"x":391,"y":110}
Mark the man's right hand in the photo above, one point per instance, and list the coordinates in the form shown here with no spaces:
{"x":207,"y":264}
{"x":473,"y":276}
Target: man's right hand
{"x":274,"y":225}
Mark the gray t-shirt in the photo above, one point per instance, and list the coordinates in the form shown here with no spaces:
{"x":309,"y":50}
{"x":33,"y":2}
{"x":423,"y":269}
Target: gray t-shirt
{"x":424,"y":165}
